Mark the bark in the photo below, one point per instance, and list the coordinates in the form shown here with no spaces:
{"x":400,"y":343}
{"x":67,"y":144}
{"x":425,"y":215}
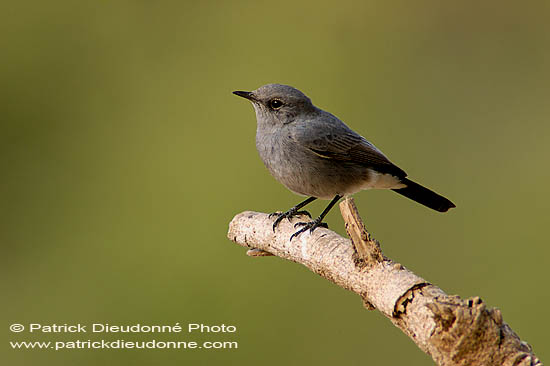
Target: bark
{"x":451,"y":330}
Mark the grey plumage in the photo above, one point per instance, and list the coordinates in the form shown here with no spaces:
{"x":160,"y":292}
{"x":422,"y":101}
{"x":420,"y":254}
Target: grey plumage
{"x":313,"y":153}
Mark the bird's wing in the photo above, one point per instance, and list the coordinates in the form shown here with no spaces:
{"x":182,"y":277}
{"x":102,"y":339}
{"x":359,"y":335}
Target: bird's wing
{"x":338,"y":142}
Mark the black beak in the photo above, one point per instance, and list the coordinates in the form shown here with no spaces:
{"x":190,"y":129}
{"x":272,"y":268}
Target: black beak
{"x":245,"y":94}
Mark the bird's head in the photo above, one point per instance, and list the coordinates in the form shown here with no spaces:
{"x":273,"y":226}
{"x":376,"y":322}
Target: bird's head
{"x":278,"y":104}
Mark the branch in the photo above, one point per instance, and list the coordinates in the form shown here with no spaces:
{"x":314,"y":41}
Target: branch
{"x":451,"y":330}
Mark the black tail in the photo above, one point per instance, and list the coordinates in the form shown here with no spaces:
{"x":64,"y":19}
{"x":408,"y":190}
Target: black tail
{"x":424,"y":196}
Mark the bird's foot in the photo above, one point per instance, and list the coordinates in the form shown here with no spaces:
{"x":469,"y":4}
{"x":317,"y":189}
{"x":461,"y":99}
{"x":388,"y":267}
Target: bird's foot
{"x":312,"y":225}
{"x":288,"y":215}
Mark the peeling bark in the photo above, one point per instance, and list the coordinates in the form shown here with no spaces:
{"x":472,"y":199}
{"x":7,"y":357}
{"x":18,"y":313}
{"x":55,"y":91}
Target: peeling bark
{"x":451,"y":330}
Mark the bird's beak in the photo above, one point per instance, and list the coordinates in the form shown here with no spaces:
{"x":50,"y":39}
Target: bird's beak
{"x":245,"y":94}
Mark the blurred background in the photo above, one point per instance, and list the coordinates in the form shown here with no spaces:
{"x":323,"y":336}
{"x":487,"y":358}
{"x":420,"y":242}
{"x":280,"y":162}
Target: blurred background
{"x":124,"y":156}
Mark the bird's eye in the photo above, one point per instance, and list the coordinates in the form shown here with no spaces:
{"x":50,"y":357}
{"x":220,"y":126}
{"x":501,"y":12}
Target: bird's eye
{"x":275,"y":104}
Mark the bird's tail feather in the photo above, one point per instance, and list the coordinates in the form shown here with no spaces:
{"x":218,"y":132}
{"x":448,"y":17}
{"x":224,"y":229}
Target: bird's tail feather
{"x":424,"y":196}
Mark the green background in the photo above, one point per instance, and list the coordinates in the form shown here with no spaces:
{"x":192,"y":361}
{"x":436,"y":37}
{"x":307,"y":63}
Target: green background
{"x":124,"y":156}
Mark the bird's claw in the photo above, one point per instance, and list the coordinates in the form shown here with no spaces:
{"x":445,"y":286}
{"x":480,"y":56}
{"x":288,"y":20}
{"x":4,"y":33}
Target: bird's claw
{"x":311,"y":226}
{"x":303,"y":212}
{"x":288,"y":215}
{"x":276,"y":213}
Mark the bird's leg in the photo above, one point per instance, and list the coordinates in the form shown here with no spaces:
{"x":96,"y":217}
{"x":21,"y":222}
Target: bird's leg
{"x":292,"y":212}
{"x":312,"y":225}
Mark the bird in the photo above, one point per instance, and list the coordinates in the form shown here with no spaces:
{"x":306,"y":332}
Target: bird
{"x":314,"y":154}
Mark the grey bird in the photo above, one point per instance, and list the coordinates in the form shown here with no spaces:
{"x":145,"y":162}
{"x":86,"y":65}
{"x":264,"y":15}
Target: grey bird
{"x":313,"y":153}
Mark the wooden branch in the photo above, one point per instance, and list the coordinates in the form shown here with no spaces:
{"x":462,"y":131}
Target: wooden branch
{"x":451,"y":330}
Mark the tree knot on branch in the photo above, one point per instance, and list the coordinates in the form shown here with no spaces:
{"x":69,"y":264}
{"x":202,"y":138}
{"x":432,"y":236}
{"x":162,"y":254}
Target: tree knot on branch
{"x":472,"y":334}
